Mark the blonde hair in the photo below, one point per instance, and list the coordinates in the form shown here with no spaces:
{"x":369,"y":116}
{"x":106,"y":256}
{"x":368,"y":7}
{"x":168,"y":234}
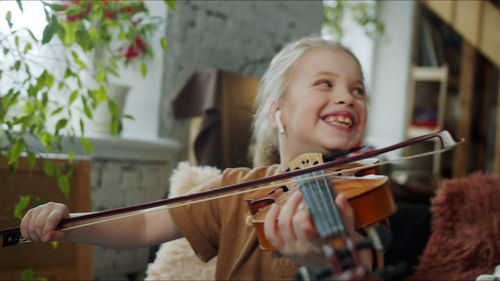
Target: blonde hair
{"x":272,"y":88}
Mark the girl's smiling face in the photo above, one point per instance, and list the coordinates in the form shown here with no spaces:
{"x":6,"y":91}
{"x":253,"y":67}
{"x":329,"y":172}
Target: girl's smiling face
{"x":323,"y":107}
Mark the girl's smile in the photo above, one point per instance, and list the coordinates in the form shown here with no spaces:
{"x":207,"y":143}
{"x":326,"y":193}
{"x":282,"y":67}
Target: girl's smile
{"x":323,"y":107}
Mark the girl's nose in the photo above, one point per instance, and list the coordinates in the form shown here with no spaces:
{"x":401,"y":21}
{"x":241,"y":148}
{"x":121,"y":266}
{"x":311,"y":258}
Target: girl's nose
{"x":343,"y":96}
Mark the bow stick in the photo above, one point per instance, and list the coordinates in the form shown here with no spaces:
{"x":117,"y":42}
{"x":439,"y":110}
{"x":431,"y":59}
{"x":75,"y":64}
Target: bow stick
{"x":12,"y":236}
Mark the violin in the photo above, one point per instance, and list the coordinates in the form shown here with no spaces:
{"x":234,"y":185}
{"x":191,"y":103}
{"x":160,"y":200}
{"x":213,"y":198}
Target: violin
{"x":368,"y":194}
{"x":12,"y":236}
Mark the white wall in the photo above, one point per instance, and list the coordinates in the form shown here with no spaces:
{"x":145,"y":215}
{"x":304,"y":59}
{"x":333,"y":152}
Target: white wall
{"x":144,"y":95}
{"x":387,"y":101}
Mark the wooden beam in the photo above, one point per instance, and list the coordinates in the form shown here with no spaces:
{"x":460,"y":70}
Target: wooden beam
{"x":445,"y":9}
{"x":468,"y":19}
{"x":466,"y":88}
{"x":496,"y":157}
{"x":489,"y":42}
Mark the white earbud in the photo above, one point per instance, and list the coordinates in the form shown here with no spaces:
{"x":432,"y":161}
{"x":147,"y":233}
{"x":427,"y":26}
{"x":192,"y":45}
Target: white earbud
{"x":277,"y":118}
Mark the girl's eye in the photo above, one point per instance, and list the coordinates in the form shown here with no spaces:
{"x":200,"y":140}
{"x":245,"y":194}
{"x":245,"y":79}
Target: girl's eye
{"x":359,"y":91}
{"x":324,"y":83}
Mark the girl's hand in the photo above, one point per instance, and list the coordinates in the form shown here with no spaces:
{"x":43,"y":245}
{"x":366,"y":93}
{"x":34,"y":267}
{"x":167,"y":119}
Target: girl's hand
{"x":39,"y":224}
{"x":291,"y":231}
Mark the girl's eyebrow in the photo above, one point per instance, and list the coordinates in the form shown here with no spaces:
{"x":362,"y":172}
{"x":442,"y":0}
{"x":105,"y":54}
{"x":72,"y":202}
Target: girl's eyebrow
{"x":326,"y":73}
{"x":329,"y":73}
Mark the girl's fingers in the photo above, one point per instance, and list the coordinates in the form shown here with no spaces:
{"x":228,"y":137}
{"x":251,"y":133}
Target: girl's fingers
{"x":271,"y":229}
{"x":347,"y":212}
{"x":39,"y":223}
{"x":32,"y":226}
{"x":25,"y":225}
{"x":303,"y":225}
{"x":285,"y":218}
{"x":53,"y":218}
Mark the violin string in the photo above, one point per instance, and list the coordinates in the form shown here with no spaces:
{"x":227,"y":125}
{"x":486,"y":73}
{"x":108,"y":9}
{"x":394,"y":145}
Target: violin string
{"x":166,"y":207}
{"x":334,"y":210}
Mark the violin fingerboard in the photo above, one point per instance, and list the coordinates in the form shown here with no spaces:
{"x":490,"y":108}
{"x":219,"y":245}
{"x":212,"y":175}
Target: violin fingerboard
{"x":320,"y":198}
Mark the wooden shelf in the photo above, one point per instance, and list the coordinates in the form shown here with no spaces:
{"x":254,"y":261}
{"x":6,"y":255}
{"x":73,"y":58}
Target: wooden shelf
{"x":476,"y":21}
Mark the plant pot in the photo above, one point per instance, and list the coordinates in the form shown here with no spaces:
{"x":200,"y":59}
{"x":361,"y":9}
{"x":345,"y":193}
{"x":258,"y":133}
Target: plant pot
{"x":101,"y":116}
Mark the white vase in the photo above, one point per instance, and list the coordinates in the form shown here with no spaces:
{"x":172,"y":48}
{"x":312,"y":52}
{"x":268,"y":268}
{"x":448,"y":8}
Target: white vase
{"x":101,"y":116}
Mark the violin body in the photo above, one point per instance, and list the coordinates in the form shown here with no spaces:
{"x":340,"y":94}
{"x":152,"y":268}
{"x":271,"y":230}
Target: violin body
{"x":368,"y":194}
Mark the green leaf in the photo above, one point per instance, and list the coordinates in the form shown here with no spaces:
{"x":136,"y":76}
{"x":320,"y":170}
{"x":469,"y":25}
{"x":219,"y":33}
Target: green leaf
{"x":163,"y":42}
{"x":129,"y":116}
{"x":82,"y":127}
{"x":69,"y":32}
{"x":46,"y":140}
{"x":21,"y":205}
{"x":144,"y":69}
{"x":112,"y":71}
{"x":31,"y":159}
{"x":27,"y":275}
{"x":67,"y":73}
{"x":27,"y":48}
{"x":20,"y":5}
{"x":16,"y":151}
{"x":83,"y":39}
{"x":78,"y":61}
{"x":71,"y":156}
{"x":101,"y":94}
{"x":87,"y":111}
{"x":57,"y":110}
{"x":171,"y":4}
{"x":32,"y":91}
{"x":63,"y":183}
{"x":8,"y":17}
{"x":61,"y":124}
{"x":49,"y":30}
{"x":57,"y":7}
{"x":114,"y":110}
{"x":37,"y":202}
{"x":87,"y":145}
{"x":100,"y":76}
{"x":32,"y":35}
{"x":73,"y":96}
{"x":55,"y":244}
{"x":17,"y":65}
{"x":49,"y":168}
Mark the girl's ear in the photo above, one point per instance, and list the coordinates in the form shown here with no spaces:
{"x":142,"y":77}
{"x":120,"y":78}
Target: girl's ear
{"x":274,"y":115}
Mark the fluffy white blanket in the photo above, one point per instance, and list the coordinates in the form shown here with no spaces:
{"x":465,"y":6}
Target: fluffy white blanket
{"x":175,"y":260}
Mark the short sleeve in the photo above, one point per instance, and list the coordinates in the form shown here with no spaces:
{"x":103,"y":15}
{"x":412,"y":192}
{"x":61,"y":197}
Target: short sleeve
{"x":199,"y":222}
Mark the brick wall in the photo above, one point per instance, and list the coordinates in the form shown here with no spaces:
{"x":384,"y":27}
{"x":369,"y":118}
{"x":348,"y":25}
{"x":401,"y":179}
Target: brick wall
{"x":238,"y":36}
{"x":117,"y":183}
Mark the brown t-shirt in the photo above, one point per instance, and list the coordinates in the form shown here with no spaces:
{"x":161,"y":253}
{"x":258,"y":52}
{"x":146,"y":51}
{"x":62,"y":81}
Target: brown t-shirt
{"x":218,"y":228}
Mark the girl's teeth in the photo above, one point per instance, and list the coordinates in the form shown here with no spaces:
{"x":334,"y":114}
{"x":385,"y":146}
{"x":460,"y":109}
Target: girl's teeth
{"x":340,"y":121}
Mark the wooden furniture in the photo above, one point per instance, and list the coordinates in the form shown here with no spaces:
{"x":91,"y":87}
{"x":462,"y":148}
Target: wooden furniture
{"x":476,"y":22}
{"x":420,"y":74}
{"x":220,"y":107}
{"x":67,"y":261}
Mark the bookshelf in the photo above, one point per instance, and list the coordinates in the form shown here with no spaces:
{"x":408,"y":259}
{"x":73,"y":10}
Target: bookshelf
{"x":432,"y":116}
{"x":453,"y":54}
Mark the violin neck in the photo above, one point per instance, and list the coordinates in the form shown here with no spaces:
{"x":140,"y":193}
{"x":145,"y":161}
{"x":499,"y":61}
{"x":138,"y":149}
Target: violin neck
{"x":320,"y":198}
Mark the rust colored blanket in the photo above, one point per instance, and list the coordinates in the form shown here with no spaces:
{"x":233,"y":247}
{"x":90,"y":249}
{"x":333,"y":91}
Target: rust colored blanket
{"x":465,"y":239}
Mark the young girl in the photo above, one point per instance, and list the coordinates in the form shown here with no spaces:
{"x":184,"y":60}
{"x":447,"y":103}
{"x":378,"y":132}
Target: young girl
{"x":311,"y":99}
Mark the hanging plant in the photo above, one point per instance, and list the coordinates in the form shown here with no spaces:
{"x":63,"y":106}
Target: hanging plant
{"x":43,"y":78}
